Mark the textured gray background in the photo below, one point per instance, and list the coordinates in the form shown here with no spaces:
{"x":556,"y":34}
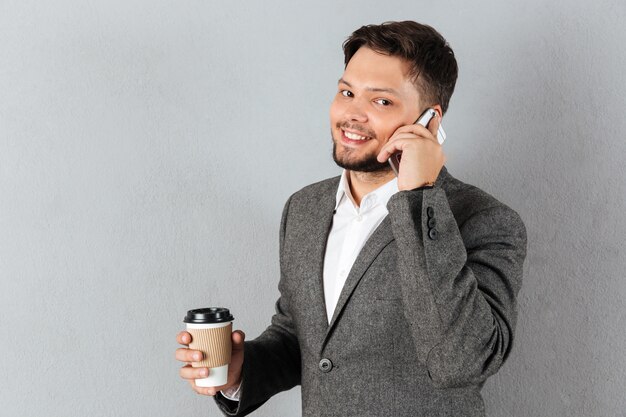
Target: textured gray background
{"x":147,"y":148}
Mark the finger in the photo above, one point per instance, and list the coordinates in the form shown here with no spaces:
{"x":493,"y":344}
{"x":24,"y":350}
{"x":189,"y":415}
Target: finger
{"x":404,"y":135}
{"x":189,"y":372}
{"x":211,"y":391}
{"x":392,"y":147}
{"x":416,"y":129}
{"x":188,"y":355}
{"x":184,"y":338}
{"x":238,"y":339}
{"x":415,"y":132}
{"x":429,"y":132}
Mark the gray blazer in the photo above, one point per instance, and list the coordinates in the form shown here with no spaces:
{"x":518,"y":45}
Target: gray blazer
{"x":427,"y":312}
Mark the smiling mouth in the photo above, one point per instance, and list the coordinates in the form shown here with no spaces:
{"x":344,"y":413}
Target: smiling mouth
{"x":352,"y":138}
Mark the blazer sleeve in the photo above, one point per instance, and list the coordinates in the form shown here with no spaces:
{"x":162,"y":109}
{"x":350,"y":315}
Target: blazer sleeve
{"x":459,"y":282}
{"x":271,"y":361}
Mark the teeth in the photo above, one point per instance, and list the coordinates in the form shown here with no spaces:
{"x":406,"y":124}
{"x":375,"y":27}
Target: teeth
{"x":354,"y":136}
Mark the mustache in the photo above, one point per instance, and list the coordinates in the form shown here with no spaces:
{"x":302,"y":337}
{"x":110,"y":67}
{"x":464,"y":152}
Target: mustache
{"x":363,"y":131}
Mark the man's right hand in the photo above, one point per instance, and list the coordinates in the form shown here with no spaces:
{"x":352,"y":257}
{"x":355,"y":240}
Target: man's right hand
{"x":191,"y":374}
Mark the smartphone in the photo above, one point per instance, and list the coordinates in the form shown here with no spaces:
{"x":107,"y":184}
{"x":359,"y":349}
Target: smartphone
{"x":424,"y":119}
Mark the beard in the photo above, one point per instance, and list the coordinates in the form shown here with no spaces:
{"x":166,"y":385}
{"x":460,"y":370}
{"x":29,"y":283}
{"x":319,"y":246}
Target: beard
{"x":350,"y":161}
{"x":368,"y":163}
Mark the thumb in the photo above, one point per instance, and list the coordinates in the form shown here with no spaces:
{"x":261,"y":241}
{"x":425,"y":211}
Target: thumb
{"x":238,"y":338}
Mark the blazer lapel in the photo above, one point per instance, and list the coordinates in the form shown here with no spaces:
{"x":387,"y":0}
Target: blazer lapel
{"x":374,"y":245}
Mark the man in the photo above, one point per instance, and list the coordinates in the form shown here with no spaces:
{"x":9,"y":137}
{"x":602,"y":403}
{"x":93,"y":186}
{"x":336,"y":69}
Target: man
{"x":397,"y":295}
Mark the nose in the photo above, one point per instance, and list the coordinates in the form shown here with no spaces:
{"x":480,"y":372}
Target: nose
{"x":355,"y":112}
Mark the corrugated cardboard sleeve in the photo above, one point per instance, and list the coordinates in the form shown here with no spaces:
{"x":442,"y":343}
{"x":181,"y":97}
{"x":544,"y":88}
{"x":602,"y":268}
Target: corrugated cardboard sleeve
{"x":216,"y":344}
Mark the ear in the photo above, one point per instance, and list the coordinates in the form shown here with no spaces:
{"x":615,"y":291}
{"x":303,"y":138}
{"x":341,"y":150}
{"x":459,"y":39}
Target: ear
{"x":437,"y":108}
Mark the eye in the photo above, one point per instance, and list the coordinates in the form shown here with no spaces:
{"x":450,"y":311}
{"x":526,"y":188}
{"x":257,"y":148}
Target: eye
{"x":383,"y":102}
{"x":346,"y":93}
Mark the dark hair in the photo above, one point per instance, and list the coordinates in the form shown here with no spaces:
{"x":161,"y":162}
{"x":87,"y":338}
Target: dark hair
{"x":433,"y":67}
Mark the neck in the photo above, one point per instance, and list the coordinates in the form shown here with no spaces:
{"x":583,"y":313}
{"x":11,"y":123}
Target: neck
{"x":362,"y":183}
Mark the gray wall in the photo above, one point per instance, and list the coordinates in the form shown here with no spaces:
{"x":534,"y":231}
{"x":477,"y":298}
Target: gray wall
{"x":147,"y":148}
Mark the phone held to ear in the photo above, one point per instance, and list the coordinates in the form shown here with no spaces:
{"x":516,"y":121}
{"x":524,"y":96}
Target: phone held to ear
{"x":424,"y":119}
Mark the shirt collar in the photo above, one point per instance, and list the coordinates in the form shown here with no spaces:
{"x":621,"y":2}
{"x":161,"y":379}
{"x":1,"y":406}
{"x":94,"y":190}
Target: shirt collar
{"x":381,"y":195}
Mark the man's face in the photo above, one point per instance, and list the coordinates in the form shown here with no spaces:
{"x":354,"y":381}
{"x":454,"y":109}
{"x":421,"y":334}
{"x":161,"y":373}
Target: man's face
{"x":374,"y":98}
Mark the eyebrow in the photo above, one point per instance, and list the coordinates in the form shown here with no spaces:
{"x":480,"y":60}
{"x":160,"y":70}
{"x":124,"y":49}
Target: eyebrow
{"x":373,"y":89}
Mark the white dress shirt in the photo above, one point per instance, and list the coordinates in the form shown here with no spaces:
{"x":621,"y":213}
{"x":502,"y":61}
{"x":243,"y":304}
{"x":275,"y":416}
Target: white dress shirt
{"x":352,"y":226}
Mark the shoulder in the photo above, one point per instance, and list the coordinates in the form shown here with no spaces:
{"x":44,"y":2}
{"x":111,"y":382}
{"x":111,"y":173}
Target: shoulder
{"x":467,"y":199}
{"x":474,"y":208}
{"x":323,"y":189}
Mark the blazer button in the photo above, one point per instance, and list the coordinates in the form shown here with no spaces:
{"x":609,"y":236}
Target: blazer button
{"x":325,"y":365}
{"x":432,"y":222}
{"x":430,"y":211}
{"x":432,"y":233}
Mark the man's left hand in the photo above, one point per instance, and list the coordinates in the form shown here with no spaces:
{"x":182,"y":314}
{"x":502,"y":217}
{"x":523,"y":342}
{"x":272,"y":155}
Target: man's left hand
{"x":422,"y":155}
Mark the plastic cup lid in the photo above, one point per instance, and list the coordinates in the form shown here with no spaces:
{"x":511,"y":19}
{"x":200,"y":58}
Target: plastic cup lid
{"x":208,"y":315}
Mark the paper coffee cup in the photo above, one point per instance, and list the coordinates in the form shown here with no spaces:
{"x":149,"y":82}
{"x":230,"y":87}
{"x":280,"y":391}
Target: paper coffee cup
{"x":210,"y":330}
